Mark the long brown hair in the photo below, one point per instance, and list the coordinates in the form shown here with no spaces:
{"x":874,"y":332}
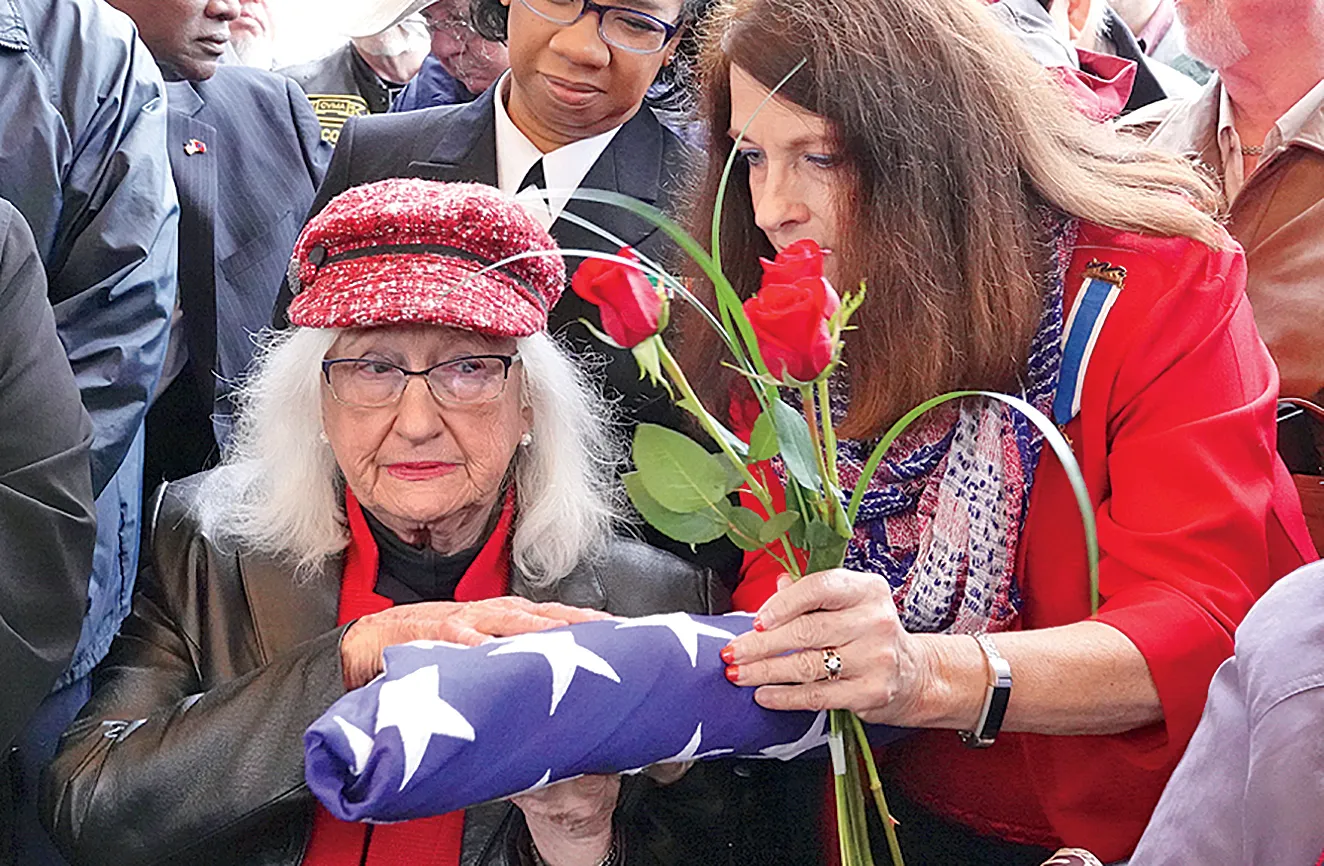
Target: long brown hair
{"x":953,"y":139}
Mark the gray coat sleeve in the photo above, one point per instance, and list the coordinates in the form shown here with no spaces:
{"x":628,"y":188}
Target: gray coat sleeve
{"x":1250,"y":788}
{"x":47,"y":521}
{"x":112,"y":258}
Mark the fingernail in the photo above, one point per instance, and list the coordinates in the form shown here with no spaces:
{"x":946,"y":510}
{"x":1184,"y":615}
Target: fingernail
{"x":733,"y":672}
{"x":728,"y":654}
{"x":758,"y":624}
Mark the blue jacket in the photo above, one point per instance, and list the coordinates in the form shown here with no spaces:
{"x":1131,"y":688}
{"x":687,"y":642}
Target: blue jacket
{"x":83,"y":158}
{"x":431,"y":87}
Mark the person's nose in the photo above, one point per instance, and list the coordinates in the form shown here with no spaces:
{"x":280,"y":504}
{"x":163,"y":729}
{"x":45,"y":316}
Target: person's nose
{"x":418,"y":414}
{"x":581,"y":44}
{"x":223,"y":10}
{"x":778,"y":202}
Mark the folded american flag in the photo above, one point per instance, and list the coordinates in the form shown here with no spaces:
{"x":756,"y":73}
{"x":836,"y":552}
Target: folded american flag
{"x":448,"y":727}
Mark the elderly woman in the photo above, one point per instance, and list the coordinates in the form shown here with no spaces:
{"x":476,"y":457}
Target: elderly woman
{"x":1007,"y":243}
{"x":416,"y":459}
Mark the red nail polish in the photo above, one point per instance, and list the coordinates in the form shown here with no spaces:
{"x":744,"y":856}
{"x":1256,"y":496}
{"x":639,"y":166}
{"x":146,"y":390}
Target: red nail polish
{"x":733,"y":672}
{"x":758,"y":624}
{"x":728,"y":654}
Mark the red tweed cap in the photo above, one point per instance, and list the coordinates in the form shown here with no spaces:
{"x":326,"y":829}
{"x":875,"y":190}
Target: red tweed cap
{"x":408,"y":250}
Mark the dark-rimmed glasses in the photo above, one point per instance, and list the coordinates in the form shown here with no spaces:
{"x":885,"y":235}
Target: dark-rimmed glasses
{"x":627,"y":29}
{"x":369,"y":383}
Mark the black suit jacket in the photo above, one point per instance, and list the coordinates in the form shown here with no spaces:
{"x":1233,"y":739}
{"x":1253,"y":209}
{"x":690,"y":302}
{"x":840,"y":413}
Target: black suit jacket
{"x":645,"y":160}
{"x":247,"y":156}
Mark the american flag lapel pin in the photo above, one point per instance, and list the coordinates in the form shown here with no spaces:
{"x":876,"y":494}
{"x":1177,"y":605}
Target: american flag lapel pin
{"x":194,"y":146}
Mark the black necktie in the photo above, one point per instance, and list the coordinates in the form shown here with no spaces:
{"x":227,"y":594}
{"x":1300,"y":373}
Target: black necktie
{"x":534,"y":178}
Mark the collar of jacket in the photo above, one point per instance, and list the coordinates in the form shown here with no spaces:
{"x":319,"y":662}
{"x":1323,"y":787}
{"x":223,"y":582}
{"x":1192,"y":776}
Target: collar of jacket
{"x":1192,"y":126}
{"x":632,"y":164}
{"x":13,"y":32}
{"x":183,"y":96}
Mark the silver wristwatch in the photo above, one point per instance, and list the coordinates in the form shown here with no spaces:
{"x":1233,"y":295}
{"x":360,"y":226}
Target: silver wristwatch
{"x":995,"y":699}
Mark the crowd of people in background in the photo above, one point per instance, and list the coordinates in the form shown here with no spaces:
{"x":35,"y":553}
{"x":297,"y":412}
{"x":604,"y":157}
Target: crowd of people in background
{"x":1113,"y":208}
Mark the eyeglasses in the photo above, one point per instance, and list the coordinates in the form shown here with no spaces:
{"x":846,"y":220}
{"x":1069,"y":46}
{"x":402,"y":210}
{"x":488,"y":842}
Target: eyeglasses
{"x":371,"y":384}
{"x":455,"y":28}
{"x":624,"y":28}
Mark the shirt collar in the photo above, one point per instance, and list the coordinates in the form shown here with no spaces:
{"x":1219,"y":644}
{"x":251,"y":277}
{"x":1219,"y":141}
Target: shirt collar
{"x":1304,"y":122}
{"x":13,"y":32}
{"x":564,"y":168}
{"x":1229,"y":147}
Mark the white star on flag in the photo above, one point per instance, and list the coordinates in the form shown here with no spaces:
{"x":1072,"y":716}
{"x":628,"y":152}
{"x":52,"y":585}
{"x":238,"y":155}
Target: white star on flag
{"x":689,"y":753}
{"x":684,"y":627}
{"x":813,"y":738}
{"x":563,"y":654}
{"x":411,"y":705}
{"x":359,"y":743}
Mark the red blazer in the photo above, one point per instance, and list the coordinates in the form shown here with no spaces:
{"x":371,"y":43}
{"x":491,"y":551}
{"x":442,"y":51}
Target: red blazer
{"x":1196,"y":516}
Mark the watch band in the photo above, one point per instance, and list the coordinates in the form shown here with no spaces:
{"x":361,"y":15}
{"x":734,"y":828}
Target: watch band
{"x":995,"y":699}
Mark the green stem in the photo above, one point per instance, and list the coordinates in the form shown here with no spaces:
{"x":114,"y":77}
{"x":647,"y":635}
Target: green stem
{"x":876,"y":787}
{"x":829,"y":434}
{"x":807,"y":406}
{"x":677,"y":376}
{"x":845,"y":836}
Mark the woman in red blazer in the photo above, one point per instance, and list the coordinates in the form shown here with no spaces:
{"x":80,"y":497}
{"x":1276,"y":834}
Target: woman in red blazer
{"x":1007,"y":243}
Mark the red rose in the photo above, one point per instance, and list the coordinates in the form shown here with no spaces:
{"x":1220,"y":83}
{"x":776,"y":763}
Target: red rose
{"x":632,"y":308}
{"x":801,"y":259}
{"x":790,"y":316}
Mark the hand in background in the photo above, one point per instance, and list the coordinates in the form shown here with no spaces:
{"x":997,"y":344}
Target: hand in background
{"x":571,"y":822}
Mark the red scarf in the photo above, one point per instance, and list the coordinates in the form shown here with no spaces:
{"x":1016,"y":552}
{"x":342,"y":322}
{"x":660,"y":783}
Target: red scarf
{"x":425,"y":841}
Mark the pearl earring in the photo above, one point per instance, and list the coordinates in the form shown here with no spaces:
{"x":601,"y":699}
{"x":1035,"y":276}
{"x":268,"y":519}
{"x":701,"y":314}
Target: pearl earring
{"x":322,"y":437}
{"x":526,"y":440}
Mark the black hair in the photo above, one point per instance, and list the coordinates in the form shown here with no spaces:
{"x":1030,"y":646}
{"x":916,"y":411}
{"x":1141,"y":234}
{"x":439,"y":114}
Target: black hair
{"x":671,"y":91}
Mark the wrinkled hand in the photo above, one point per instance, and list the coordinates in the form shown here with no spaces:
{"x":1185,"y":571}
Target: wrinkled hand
{"x":885,"y":673}
{"x":469,"y":623}
{"x":570,"y":822}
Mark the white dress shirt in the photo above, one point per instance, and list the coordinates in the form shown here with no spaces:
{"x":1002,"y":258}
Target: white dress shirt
{"x":563,"y":168}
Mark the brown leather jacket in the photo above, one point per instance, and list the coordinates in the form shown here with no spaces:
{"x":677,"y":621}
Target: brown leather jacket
{"x":191,"y":752}
{"x":1277,"y":216}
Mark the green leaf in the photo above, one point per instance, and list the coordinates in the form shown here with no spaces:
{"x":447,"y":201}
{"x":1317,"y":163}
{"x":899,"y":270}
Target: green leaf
{"x":779,"y":523}
{"x":827,"y":549}
{"x":763,"y":439}
{"x":797,"y":449}
{"x":694,"y":528}
{"x":677,"y":471}
{"x":735,"y":479}
{"x":746,"y":529}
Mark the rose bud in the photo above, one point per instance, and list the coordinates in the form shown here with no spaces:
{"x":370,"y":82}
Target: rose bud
{"x":632,"y":307}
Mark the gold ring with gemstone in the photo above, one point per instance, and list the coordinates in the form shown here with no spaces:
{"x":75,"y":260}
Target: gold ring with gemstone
{"x":832,"y":664}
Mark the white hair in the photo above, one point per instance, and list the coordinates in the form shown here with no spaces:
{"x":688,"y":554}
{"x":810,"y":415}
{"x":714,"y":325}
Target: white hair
{"x":280,"y":492}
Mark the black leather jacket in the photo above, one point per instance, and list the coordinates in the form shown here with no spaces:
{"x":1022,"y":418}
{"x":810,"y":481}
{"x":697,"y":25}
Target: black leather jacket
{"x":190,"y":751}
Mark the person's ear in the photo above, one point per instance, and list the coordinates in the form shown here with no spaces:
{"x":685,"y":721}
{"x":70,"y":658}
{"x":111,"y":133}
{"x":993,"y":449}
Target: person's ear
{"x":669,"y":52}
